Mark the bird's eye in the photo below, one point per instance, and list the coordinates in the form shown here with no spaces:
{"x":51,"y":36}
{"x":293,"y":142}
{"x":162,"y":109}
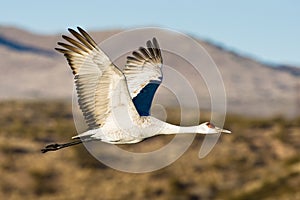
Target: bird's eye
{"x":210,"y":125}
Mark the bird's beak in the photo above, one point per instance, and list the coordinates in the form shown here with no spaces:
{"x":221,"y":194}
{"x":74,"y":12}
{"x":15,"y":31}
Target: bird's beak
{"x":223,"y":130}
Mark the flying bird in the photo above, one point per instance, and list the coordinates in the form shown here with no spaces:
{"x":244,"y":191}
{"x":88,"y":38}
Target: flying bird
{"x":116,"y":104}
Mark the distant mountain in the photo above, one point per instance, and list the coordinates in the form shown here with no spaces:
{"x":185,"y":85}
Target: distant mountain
{"x":291,"y":69}
{"x":16,"y":46}
{"x":31,"y":69}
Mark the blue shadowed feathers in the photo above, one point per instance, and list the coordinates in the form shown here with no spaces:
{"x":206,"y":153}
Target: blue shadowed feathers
{"x":144,"y":99}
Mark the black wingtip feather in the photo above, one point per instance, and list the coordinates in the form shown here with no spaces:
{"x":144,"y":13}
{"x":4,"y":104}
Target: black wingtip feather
{"x":157,"y":48}
{"x":87,"y":37}
{"x":64,"y":51}
{"x":138,"y":55}
{"x":71,"y":30}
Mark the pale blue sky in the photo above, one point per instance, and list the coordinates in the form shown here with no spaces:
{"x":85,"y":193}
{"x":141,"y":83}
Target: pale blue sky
{"x":268,"y":30}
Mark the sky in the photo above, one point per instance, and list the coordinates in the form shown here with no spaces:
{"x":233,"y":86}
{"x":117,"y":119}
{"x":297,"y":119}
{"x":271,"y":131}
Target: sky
{"x":268,"y":30}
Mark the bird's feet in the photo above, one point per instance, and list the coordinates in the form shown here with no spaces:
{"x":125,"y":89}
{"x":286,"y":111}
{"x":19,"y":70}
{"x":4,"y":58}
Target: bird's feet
{"x":51,"y":147}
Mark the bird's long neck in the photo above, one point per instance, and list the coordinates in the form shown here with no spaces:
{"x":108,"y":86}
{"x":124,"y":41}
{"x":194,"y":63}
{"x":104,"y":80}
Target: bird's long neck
{"x":173,"y":129}
{"x":167,"y":128}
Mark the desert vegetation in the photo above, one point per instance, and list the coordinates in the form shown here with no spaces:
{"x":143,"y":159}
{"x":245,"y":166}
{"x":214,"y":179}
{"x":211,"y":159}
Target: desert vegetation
{"x":260,"y":160}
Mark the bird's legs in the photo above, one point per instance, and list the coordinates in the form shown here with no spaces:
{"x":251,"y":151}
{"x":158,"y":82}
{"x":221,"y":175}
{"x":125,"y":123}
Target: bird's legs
{"x":55,"y":146}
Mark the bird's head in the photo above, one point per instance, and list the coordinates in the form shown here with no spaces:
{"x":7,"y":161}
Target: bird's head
{"x":210,"y":128}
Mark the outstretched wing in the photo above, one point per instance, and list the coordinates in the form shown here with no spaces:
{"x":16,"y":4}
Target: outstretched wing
{"x":143,"y":74}
{"x":97,"y":79}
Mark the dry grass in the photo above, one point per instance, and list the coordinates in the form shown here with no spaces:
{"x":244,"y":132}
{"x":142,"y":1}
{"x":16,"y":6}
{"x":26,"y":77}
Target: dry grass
{"x":260,"y":160}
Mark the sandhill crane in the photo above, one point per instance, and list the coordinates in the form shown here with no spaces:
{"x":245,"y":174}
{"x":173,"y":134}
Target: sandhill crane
{"x":116,"y":104}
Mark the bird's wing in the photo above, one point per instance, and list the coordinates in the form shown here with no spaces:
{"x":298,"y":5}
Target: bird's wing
{"x":97,"y":80}
{"x":143,"y":74}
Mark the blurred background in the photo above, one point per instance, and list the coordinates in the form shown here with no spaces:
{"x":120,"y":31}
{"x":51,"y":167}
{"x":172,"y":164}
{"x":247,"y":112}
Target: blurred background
{"x":256,"y":48}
